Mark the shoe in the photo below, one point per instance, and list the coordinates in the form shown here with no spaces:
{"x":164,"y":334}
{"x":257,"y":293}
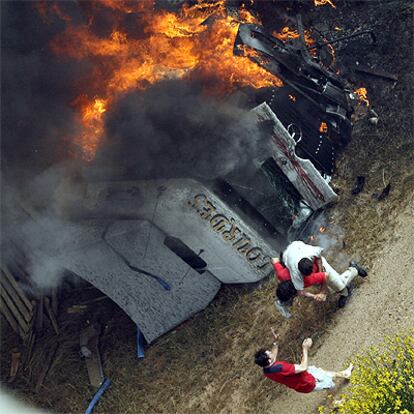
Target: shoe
{"x":361,"y":271}
{"x":282,"y":309}
{"x":359,"y":185}
{"x":343,"y":300}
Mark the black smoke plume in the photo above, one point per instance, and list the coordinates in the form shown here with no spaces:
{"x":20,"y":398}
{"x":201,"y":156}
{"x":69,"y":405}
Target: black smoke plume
{"x":174,"y":130}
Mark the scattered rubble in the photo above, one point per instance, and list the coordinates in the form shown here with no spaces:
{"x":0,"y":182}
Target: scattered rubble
{"x":384,"y":193}
{"x":50,"y":354}
{"x":89,"y":349}
{"x":15,"y":364}
{"x":359,"y":186}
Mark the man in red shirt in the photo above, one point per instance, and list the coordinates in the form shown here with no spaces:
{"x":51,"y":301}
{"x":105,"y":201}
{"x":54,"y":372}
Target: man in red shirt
{"x":312,"y":275}
{"x":286,"y":291}
{"x":300,"y":377}
{"x":315,"y":278}
{"x":299,"y":258}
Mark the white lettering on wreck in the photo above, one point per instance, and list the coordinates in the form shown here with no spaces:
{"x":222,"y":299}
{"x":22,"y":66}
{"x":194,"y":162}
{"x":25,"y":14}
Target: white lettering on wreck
{"x":230,"y":231}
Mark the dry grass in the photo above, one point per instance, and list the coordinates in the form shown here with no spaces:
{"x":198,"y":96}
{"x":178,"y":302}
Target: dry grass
{"x":383,"y":155}
{"x":202,"y":365}
{"x":206,"y":365}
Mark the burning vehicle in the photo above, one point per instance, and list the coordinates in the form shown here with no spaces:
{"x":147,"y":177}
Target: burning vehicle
{"x":160,"y":242}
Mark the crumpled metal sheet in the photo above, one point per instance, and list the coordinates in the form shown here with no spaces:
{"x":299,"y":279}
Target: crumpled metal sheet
{"x":101,"y":261}
{"x":320,"y":96}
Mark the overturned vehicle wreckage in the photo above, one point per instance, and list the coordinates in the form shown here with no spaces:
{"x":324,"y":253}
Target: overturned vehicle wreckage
{"x":314,"y":105}
{"x":160,"y":248}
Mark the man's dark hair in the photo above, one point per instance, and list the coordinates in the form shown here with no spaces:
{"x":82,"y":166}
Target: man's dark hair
{"x":305,"y":266}
{"x":285,"y":291}
{"x":261,"y":358}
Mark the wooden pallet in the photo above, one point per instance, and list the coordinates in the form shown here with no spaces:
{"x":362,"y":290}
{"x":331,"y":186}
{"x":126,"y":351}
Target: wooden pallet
{"x":15,"y":305}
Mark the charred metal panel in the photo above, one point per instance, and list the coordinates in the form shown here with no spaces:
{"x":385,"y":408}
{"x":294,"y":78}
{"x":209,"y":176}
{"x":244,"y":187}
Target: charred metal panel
{"x":320,"y":100}
{"x":300,"y":116}
{"x":301,"y":173}
{"x":187,"y":210}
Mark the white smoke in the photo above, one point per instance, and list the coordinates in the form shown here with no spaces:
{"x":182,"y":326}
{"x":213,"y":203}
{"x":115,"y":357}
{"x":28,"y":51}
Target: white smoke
{"x":35,"y":230}
{"x":331,"y":237}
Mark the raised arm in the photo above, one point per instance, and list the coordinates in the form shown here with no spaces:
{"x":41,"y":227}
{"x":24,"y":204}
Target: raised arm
{"x":307,"y":343}
{"x":275,"y":338}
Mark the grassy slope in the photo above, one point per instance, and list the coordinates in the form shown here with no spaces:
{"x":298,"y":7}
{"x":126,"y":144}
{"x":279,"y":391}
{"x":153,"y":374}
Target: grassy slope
{"x":205,"y":365}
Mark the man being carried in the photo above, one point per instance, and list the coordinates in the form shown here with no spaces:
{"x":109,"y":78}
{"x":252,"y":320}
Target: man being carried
{"x":310,"y":268}
{"x":303,"y":259}
{"x":314,"y":278}
{"x":286,"y":292}
{"x":300,"y":377}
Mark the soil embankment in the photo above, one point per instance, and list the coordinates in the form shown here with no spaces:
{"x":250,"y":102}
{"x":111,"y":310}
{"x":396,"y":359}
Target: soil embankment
{"x":383,"y":306}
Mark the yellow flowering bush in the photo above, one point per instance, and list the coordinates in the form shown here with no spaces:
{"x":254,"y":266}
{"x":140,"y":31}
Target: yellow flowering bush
{"x":382,"y":381}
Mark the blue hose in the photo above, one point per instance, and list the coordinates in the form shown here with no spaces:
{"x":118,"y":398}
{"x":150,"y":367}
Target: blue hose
{"x":98,"y":395}
{"x":140,"y":344}
{"x":162,"y":282}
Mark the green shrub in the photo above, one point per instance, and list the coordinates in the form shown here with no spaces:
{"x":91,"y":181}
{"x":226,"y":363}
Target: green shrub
{"x":382,"y":381}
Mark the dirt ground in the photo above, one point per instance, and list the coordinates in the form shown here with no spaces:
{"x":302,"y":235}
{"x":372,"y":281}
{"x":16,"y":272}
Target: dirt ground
{"x":382,"y":306}
{"x":206,"y":365}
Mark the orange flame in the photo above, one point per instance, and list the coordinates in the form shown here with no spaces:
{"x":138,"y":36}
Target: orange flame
{"x":173,"y":46}
{"x":362,"y":95}
{"x":332,"y":52}
{"x":322,"y":229}
{"x":286,"y":33}
{"x":127,"y":7}
{"x":92,"y":118}
{"x":323,"y":128}
{"x":324,"y":2}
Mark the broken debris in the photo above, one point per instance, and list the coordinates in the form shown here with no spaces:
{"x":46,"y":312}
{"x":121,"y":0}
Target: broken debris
{"x":360,"y":182}
{"x":89,"y":340}
{"x":15,"y":305}
{"x":46,"y":365}
{"x":51,"y":315}
{"x":15,"y":364}
{"x":373,"y":117}
{"x":376,"y":72}
{"x":384,"y":194}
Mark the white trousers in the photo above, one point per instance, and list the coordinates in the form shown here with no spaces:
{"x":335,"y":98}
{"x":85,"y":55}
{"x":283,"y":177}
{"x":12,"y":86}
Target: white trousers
{"x":339,"y":282}
{"x":324,"y":379}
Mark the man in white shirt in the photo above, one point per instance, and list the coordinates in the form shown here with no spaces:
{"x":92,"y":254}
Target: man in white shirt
{"x":299,"y":258}
{"x":296,"y":251}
